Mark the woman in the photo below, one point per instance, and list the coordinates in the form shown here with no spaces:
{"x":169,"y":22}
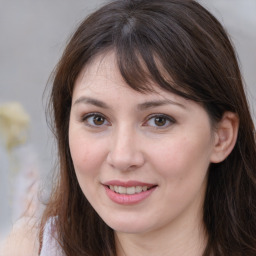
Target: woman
{"x":156,"y":142}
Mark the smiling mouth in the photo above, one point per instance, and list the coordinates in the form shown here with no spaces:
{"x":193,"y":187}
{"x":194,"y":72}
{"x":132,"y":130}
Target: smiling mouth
{"x":129,"y":190}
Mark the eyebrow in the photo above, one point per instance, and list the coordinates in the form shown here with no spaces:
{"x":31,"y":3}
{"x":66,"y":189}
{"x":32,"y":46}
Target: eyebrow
{"x":141,"y":107}
{"x":158,"y":103}
{"x":91,"y":101}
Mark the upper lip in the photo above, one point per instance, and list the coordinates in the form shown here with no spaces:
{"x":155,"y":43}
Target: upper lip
{"x":130,"y":183}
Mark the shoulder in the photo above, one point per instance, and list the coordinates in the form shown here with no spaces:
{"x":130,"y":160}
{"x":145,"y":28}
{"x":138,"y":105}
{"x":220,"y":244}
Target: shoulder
{"x":23,"y":239}
{"x":50,"y":245}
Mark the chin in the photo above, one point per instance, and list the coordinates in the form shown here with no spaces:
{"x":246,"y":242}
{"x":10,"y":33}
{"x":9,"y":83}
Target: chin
{"x":126,"y":226}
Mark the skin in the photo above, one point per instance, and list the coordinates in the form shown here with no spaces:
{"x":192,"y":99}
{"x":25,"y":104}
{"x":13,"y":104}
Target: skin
{"x":128,"y":142}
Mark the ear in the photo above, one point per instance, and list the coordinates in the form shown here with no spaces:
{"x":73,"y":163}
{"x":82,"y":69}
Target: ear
{"x":225,"y":137}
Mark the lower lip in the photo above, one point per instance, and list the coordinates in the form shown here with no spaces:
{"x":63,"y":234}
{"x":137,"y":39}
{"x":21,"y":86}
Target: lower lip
{"x":125,"y":199}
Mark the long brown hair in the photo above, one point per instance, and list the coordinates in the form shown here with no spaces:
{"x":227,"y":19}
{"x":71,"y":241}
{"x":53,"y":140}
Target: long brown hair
{"x":195,"y":51}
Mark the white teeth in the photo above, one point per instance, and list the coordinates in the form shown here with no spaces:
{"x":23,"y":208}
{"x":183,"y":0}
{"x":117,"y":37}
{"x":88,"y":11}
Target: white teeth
{"x":128,"y":190}
{"x":138,"y":189}
{"x":122,"y":190}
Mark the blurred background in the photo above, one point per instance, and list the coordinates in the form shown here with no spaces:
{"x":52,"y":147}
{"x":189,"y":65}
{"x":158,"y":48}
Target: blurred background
{"x":33,"y":34}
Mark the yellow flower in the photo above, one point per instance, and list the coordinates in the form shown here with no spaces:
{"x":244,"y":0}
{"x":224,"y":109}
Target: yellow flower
{"x":14,"y":122}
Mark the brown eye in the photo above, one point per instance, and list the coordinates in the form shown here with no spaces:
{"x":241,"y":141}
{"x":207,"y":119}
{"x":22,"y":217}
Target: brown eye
{"x":95,"y":120}
{"x":160,"y":121}
{"x":98,"y":120}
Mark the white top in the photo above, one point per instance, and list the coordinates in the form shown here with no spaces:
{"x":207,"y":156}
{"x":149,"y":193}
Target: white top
{"x":50,"y":246}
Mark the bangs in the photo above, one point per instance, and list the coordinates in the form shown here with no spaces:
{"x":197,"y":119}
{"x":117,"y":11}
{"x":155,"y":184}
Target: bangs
{"x":165,"y":45}
{"x":143,"y":72}
{"x":145,"y":61}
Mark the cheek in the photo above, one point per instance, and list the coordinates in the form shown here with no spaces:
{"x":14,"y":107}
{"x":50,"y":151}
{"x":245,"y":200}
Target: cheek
{"x":182,"y":156}
{"x":86,"y":154}
{"x":183,"y":167}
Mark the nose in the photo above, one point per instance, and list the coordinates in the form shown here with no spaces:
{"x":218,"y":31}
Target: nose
{"x":125,"y":151}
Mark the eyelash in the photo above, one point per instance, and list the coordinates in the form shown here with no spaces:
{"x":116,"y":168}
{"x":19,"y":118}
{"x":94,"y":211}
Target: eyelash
{"x":94,"y":115}
{"x":167,"y":119}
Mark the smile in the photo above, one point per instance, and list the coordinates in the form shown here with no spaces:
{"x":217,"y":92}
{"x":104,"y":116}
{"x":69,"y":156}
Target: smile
{"x":128,"y":193}
{"x":129,"y":190}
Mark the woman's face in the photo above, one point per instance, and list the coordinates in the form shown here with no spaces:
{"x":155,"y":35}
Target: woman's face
{"x":141,"y":159}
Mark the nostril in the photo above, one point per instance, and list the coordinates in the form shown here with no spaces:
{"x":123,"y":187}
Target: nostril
{"x":124,"y":161}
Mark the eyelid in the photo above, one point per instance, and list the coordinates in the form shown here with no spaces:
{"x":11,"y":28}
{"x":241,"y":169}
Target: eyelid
{"x":170,"y":119}
{"x":167,"y":117}
{"x":91,"y":114}
{"x":87,"y":115}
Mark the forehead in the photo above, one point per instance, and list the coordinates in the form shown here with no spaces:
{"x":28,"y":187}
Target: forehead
{"x":101,"y":77}
{"x":102,"y":70}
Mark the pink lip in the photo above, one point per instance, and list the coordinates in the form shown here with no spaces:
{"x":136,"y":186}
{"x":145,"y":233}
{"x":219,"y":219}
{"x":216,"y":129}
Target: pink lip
{"x":124,"y":199}
{"x":130,"y":183}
